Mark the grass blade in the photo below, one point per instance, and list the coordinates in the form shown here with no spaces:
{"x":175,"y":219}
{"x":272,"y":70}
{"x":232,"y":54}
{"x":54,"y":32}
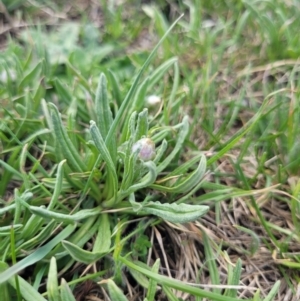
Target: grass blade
{"x":114,"y":291}
{"x":52,"y":283}
{"x":104,"y":115}
{"x":174,"y":213}
{"x":188,"y":183}
{"x":81,"y":255}
{"x":112,"y":181}
{"x":36,"y":255}
{"x":28,"y":292}
{"x":65,"y":291}
{"x":4,"y":292}
{"x":273,"y":291}
{"x":64,"y":143}
{"x":152,"y":283}
{"x":103,"y":238}
{"x":235,"y":279}
{"x":179,"y":142}
{"x":122,"y":110}
{"x":176,"y":284}
{"x":211,"y":263}
{"x":103,"y":112}
{"x":58,"y":185}
{"x":240,"y":133}
{"x":60,"y":217}
{"x":31,"y":76}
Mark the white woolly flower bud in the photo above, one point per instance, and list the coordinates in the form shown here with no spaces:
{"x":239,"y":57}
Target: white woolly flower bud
{"x":153,"y":100}
{"x":146,"y":149}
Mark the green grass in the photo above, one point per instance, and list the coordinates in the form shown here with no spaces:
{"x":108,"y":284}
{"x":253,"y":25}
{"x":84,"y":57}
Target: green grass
{"x":193,"y":198}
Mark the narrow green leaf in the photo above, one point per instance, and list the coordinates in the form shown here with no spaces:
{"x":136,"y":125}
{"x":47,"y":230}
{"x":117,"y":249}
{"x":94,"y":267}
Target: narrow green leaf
{"x":241,"y":132}
{"x":7,"y":229}
{"x":18,"y":210}
{"x":140,"y":96}
{"x":103,"y":112}
{"x":41,"y":237}
{"x":254,"y":204}
{"x":22,"y":162}
{"x":235,"y":279}
{"x":115,"y":87}
{"x":140,"y":278}
{"x":81,"y":255}
{"x":50,"y":182}
{"x":86,"y":231}
{"x":118,"y":243}
{"x":39,"y":94}
{"x":31,"y":76}
{"x":114,"y":291}
{"x":81,"y":79}
{"x":147,"y":180}
{"x":172,"y":108}
{"x":72,"y":123}
{"x":58,"y":185}
{"x":129,"y":168}
{"x":142,"y":125}
{"x":37,"y":255}
{"x":14,"y":260}
{"x":175,"y":213}
{"x":27,"y":291}
{"x":63,"y":92}
{"x":256,"y":296}
{"x":179,"y":142}
{"x":40,"y":275}
{"x":4,"y":292}
{"x":103,"y":238}
{"x":65,"y":291}
{"x":100,"y":144}
{"x":131,"y":126}
{"x":171,"y":296}
{"x":188,"y":165}
{"x":11,"y":169}
{"x":242,"y":23}
{"x":153,"y":283}
{"x":188,"y":183}
{"x":112,"y":181}
{"x":104,"y":115}
{"x":176,"y":284}
{"x":160,"y":151}
{"x":46,"y":114}
{"x":160,"y":71}
{"x":64,"y":143}
{"x":52,"y":283}
{"x":160,"y":20}
{"x":273,"y":292}
{"x":122,"y":110}
{"x":34,"y":136}
{"x":211,"y":263}
{"x":60,"y":217}
{"x":255,"y":239}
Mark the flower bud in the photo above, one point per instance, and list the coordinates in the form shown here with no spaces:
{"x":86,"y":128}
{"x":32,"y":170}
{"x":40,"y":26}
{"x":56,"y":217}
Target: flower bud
{"x":146,"y":149}
{"x":153,"y":100}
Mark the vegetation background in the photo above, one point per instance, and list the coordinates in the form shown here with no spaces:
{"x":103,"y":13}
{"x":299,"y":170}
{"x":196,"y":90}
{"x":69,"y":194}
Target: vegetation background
{"x":213,"y":214}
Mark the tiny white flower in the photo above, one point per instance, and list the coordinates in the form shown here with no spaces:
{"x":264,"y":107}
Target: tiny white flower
{"x":153,"y":100}
{"x":146,"y":149}
{"x":5,"y":74}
